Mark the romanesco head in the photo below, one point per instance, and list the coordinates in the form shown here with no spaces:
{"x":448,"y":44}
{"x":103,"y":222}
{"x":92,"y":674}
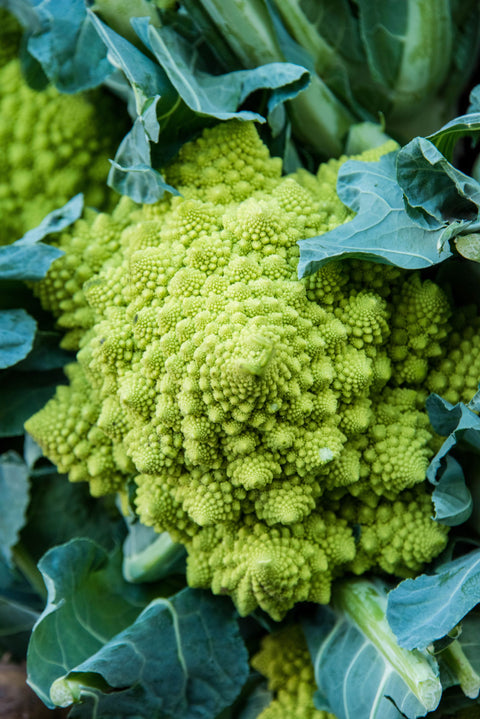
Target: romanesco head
{"x":262,"y":417}
{"x":285,"y":661}
{"x":52,"y":147}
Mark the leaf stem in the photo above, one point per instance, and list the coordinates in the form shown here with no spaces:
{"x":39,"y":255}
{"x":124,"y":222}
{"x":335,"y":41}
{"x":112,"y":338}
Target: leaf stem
{"x":29,"y":569}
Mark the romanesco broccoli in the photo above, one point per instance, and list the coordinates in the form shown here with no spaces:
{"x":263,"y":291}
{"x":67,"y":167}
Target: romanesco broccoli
{"x":285,"y":661}
{"x":52,"y":148}
{"x":276,"y":427}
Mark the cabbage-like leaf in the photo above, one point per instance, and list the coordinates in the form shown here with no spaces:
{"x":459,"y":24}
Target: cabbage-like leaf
{"x":219,"y":96}
{"x":182,"y":658}
{"x":359,"y":668}
{"x":132,"y":173}
{"x":149,"y":556}
{"x":433,"y":186}
{"x":451,"y":497}
{"x":14,"y":498}
{"x":467,"y":125}
{"x":62,"y":38}
{"x":382,"y":231}
{"x":29,"y":258}
{"x":20,"y":607}
{"x":426,"y":608}
{"x":23,"y":394}
{"x":99,"y":638}
{"x":88,"y":603}
{"x":17,"y":332}
{"x":458,"y":423}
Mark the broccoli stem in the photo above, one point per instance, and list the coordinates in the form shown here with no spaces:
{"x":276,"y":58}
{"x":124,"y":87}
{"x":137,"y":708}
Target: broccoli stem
{"x":156,"y":561}
{"x":298,"y":25}
{"x":29,"y":569}
{"x":318,"y":117}
{"x":426,"y":55}
{"x":118,"y":13}
{"x":458,"y":663}
{"x":365,"y":604}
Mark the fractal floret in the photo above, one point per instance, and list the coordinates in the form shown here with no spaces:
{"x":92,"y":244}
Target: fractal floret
{"x":275,"y":427}
{"x":51,"y":148}
{"x":285,"y":661}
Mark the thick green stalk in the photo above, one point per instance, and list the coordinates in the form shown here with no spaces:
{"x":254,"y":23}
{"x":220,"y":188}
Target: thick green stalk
{"x":118,"y":13}
{"x":458,"y":663}
{"x":319,"y":119}
{"x":247,"y":26}
{"x":426,"y":56}
{"x":29,"y":569}
{"x":366,"y":606}
{"x":155,"y":561}
{"x":302,"y":30}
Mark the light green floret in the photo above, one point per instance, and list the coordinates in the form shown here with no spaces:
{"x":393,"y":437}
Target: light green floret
{"x":285,"y":661}
{"x":250,"y":407}
{"x":52,"y":146}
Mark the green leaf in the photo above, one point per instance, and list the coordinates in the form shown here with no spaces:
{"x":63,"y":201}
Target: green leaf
{"x":458,"y":423}
{"x":89,"y":602}
{"x":17,"y":332}
{"x":60,"y":510}
{"x":451,"y":497}
{"x":219,"y":96}
{"x":146,"y":77}
{"x":382,"y":231}
{"x":45,"y":354}
{"x":20,"y":608}
{"x":433,"y":186}
{"x":447,"y":137}
{"x":28,"y":258}
{"x":132,"y":173}
{"x":182,"y":658}
{"x":64,"y":41}
{"x":26,"y":262}
{"x":14,"y":498}
{"x":426,"y":608}
{"x":56,"y":221}
{"x":359,"y":668}
{"x":409,"y":48}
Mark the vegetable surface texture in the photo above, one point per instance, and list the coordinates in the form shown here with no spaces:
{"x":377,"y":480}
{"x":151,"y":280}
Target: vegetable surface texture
{"x":52,"y":147}
{"x":275,"y":427}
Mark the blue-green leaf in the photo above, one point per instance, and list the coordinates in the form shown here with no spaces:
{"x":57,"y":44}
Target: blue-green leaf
{"x":382,"y":231}
{"x":219,"y":96}
{"x":132,"y":173}
{"x":426,"y":608}
{"x":359,"y":669}
{"x":20,"y":607}
{"x":183,"y":655}
{"x":89,"y":602}
{"x":451,"y":497}
{"x":446,"y":138}
{"x":433,"y":186}
{"x":458,"y":423}
{"x":146,"y":77}
{"x":28,"y":258}
{"x":14,"y":498}
{"x":17,"y":332}
{"x":56,"y":221}
{"x":23,"y":394}
{"x":63,"y":40}
{"x":26,"y":262}
{"x":149,"y":556}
